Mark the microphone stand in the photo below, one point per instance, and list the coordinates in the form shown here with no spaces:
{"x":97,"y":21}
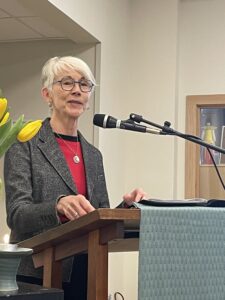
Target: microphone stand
{"x":167,"y":130}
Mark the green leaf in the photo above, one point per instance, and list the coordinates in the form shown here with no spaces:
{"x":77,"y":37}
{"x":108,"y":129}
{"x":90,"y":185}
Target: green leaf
{"x":4,"y":130}
{"x":10,"y":137}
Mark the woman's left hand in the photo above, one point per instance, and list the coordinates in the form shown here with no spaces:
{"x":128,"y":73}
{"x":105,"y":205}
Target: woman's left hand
{"x":135,"y":196}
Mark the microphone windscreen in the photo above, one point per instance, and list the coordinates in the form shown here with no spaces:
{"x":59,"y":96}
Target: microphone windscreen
{"x":98,"y":120}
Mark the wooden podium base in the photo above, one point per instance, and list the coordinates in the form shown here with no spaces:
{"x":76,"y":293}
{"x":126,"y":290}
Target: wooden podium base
{"x":101,"y":231}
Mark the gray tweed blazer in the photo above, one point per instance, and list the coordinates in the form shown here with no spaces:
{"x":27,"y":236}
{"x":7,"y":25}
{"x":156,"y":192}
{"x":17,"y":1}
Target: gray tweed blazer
{"x":36,"y":175}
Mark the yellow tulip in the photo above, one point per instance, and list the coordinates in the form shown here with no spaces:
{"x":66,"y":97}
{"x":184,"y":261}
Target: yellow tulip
{"x":3,"y":106}
{"x":4,"y":119}
{"x":29,"y":131}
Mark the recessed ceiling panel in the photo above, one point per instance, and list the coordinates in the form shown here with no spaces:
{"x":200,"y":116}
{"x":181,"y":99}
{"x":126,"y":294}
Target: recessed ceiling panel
{"x":11,"y":29}
{"x":14,"y":8}
{"x":42,"y":27}
{"x":3,"y":14}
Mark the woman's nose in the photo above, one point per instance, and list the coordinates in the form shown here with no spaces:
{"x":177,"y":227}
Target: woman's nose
{"x":76,"y":88}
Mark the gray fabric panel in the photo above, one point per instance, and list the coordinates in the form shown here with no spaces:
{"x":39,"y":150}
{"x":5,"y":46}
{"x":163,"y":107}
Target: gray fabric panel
{"x":182,"y":253}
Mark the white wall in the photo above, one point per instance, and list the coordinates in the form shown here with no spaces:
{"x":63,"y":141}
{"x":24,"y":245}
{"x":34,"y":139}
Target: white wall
{"x":201,"y":59}
{"x":152,"y":86}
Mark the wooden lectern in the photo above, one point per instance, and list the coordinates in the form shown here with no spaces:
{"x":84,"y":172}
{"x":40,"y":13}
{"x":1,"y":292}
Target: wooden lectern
{"x":98,"y":233}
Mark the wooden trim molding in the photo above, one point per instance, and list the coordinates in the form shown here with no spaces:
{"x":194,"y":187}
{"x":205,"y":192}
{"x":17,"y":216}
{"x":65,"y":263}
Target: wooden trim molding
{"x":192,"y":154}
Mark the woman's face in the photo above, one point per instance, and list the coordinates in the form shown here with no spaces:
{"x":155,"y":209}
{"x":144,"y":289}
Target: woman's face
{"x":68,"y":104}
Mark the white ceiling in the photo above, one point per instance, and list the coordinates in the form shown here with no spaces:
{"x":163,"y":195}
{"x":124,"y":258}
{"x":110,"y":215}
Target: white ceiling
{"x":18,"y":23}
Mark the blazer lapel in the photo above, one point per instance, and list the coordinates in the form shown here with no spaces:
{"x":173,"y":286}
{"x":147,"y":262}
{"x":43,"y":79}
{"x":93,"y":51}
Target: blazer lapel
{"x":90,"y":167}
{"x":50,"y":149}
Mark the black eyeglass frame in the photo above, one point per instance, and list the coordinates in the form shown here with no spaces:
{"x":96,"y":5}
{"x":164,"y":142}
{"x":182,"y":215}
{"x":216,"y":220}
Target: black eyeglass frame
{"x":74,"y":82}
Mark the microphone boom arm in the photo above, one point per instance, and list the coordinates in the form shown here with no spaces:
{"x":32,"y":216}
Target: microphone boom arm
{"x":167,"y":130}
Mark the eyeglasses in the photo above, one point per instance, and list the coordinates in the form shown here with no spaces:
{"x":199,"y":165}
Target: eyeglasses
{"x":68,"y":84}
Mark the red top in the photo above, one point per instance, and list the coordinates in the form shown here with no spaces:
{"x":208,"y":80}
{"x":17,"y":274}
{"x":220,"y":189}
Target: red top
{"x":71,"y":147}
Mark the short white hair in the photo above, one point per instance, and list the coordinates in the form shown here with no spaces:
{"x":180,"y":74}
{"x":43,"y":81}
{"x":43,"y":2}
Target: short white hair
{"x":55,"y":65}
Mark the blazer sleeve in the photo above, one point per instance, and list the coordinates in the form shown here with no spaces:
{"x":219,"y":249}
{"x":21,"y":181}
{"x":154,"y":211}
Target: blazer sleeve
{"x":23,"y":215}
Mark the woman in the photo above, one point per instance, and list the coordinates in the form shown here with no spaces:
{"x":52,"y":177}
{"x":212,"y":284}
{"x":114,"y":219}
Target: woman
{"x":57,"y":176}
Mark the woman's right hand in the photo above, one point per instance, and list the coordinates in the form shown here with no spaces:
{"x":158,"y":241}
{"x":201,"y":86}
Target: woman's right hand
{"x":74,"y":206}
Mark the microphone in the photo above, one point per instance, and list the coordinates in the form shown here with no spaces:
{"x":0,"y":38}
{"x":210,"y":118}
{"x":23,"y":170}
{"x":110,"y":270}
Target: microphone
{"x":106,"y":121}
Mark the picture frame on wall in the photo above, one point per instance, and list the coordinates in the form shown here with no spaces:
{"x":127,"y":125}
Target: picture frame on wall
{"x":222,"y":156}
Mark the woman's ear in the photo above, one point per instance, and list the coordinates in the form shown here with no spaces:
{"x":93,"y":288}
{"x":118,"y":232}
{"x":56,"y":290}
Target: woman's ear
{"x":45,"y":94}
